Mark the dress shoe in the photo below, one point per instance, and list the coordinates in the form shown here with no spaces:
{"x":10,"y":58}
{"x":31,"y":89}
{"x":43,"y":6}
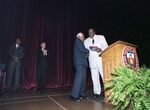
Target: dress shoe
{"x":96,"y":96}
{"x":76,"y":99}
{"x":17,"y":91}
{"x":83,"y":97}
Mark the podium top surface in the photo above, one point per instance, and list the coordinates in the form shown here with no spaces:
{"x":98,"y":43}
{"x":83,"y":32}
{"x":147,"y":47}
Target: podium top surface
{"x":119,"y":42}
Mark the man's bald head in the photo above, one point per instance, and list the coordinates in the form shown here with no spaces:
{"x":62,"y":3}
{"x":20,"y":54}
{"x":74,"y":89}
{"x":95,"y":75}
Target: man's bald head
{"x":80,"y":35}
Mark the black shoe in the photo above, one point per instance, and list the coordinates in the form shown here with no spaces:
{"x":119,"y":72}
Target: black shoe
{"x":17,"y":91}
{"x":96,"y":96}
{"x":75,"y":99}
{"x":39,"y":91}
{"x":83,"y":97}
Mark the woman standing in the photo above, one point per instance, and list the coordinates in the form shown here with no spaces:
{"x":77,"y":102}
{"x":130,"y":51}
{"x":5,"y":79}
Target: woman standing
{"x":42,"y":65}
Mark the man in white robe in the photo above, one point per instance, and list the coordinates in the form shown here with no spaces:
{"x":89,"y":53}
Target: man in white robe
{"x":96,"y":44}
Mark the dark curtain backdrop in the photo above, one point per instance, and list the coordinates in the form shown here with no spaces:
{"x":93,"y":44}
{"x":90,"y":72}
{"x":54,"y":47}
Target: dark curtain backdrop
{"x":58,"y":21}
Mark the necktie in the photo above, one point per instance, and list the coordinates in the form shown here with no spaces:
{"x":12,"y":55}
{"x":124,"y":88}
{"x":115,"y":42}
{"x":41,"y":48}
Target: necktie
{"x":92,"y":41}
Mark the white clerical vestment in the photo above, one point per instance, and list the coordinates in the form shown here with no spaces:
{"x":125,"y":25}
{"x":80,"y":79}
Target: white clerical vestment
{"x":95,"y":61}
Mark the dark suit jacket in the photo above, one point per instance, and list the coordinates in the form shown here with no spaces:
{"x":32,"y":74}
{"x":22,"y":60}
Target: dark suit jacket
{"x":42,"y":61}
{"x":16,"y":52}
{"x":80,"y":53}
{"x":40,"y":56}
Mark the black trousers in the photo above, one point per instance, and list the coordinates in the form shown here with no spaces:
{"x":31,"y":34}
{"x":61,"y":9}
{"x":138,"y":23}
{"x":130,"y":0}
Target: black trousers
{"x":41,"y":72}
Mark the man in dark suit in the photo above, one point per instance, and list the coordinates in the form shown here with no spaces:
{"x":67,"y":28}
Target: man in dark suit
{"x":42,"y":65}
{"x":13,"y":74}
{"x":80,"y":64}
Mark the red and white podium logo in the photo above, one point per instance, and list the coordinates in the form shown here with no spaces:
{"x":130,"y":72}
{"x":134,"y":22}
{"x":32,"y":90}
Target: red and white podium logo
{"x":130,"y":58}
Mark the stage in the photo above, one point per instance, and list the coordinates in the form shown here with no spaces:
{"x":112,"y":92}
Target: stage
{"x":50,"y":100}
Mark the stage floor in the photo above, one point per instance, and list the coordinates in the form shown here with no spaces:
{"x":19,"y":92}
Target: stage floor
{"x":50,"y":100}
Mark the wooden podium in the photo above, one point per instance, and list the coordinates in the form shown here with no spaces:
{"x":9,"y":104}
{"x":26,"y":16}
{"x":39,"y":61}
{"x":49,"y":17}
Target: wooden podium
{"x":118,"y":53}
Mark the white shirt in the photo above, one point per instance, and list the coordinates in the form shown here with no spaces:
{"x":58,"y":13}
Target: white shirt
{"x":17,"y":45}
{"x":100,"y":42}
{"x":44,"y":52}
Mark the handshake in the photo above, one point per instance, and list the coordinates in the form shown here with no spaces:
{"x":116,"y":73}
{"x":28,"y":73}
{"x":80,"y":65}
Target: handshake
{"x":95,"y":48}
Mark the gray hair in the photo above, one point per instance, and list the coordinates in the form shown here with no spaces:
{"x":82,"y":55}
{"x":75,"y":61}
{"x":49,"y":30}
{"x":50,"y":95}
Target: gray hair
{"x":79,"y":34}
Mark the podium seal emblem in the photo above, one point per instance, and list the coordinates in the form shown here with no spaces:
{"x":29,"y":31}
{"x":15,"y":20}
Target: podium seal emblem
{"x":130,"y":58}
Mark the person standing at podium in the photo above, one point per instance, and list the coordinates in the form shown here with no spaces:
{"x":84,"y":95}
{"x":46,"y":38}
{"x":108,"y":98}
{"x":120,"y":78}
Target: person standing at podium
{"x":95,"y":44}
